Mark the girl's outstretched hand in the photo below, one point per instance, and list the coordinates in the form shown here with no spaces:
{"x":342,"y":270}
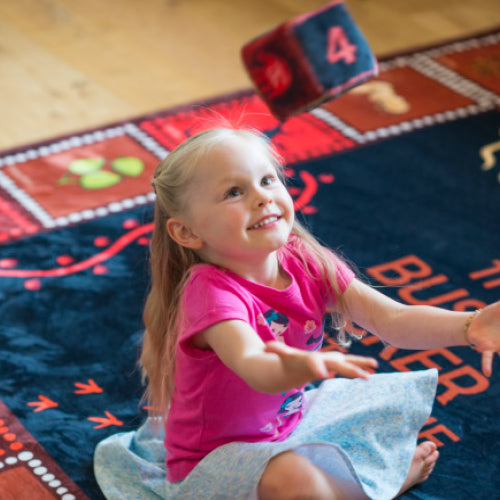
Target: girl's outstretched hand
{"x":312,"y":365}
{"x":484,"y":334}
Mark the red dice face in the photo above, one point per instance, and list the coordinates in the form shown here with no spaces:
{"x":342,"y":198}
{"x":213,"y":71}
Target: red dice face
{"x":309,"y":59}
{"x":272,"y":75}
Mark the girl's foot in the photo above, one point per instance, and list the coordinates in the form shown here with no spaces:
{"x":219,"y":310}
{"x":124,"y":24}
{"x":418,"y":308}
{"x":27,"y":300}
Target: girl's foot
{"x":421,"y":466}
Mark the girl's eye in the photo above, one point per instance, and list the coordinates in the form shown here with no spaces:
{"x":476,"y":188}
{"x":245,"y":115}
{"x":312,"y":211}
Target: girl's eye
{"x":268,"y":180}
{"x":231,"y":193}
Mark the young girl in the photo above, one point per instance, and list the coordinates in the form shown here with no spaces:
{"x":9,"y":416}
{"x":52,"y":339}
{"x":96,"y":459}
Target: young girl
{"x":227,"y":254}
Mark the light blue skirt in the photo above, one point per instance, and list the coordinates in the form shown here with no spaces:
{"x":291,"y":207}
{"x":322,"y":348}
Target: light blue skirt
{"x":363,"y":433}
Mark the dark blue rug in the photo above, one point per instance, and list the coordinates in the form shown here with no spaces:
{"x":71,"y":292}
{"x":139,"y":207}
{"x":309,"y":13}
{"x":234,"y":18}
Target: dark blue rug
{"x":411,"y":197}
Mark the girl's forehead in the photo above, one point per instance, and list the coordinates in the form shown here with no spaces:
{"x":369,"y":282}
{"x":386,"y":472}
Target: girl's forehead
{"x":232,"y":156}
{"x":236,"y":146}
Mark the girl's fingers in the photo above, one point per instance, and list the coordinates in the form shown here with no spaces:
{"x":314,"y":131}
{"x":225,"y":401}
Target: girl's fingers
{"x":351,"y":366}
{"x":362,"y":361}
{"x":318,"y":367}
{"x":326,"y":364}
{"x":487,"y":362}
{"x":356,"y":371}
{"x":353,"y":372}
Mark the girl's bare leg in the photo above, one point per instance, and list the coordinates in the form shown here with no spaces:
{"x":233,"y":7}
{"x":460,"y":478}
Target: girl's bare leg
{"x":422,"y":465}
{"x":290,"y":475}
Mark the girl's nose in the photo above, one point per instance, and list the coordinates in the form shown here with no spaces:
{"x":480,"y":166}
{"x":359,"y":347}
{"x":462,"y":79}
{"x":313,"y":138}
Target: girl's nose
{"x":261,"y":197}
{"x":264,"y":200}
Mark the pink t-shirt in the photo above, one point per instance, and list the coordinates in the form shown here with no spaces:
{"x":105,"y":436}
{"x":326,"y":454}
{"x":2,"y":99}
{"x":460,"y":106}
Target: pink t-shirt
{"x":211,"y":405}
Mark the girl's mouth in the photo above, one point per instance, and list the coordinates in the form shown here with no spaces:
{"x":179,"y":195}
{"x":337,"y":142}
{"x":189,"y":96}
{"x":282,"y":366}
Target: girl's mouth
{"x":263,"y":222}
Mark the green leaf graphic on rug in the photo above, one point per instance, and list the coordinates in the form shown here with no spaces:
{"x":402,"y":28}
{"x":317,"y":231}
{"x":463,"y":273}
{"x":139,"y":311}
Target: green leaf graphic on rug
{"x":94,"y":173}
{"x":86,"y":166}
{"x":99,"y":180}
{"x":128,"y":165}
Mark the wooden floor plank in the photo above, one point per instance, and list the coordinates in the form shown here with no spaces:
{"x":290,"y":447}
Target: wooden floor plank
{"x":67,"y":66}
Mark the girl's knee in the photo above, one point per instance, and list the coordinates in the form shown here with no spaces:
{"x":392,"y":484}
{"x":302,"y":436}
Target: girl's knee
{"x":291,"y":476}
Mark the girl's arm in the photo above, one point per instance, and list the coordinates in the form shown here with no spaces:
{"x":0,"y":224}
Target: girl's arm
{"x":275,"y":367}
{"x":421,"y":327}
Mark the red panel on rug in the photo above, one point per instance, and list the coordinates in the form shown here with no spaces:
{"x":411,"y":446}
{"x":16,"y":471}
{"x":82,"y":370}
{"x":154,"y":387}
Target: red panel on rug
{"x":172,"y":129}
{"x":85,"y":177}
{"x":75,"y":179}
{"x":26,"y":469}
{"x":397,"y":95}
{"x":480,"y":64}
{"x":299,"y":138}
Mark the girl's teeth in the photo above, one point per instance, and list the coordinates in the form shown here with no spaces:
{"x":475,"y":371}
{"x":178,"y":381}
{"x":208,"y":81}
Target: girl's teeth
{"x":264,"y":222}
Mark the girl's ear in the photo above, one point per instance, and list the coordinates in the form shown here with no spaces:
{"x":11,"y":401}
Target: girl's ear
{"x":182,"y":234}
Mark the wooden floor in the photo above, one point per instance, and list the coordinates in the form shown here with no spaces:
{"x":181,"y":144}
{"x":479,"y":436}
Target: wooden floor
{"x":69,"y":65}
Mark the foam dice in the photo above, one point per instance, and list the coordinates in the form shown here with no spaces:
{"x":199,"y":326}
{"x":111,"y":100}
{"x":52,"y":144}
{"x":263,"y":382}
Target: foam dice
{"x":308,"y":60}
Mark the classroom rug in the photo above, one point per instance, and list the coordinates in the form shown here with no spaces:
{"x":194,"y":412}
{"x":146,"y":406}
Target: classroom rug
{"x":401,"y":176}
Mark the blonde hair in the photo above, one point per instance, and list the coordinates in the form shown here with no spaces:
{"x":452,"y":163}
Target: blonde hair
{"x":171,"y":263}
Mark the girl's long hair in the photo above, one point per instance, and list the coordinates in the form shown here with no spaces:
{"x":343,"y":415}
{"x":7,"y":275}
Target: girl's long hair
{"x":170,"y":263}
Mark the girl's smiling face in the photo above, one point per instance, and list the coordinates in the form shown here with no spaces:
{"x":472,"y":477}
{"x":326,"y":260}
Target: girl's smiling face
{"x":238,"y":210}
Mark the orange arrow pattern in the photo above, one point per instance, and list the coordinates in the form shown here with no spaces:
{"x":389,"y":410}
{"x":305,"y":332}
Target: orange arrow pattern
{"x":105,"y":421}
{"x":89,"y":388}
{"x":44,"y":403}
